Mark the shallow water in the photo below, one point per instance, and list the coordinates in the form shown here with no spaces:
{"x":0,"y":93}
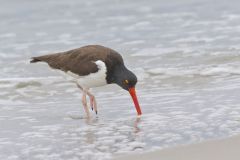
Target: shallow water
{"x":185,"y":54}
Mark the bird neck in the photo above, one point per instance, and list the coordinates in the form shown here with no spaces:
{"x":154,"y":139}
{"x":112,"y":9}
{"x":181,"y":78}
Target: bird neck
{"x":113,"y":73}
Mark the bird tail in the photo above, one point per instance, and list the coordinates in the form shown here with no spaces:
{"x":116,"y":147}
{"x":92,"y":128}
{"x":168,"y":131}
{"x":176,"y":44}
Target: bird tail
{"x":34,"y":60}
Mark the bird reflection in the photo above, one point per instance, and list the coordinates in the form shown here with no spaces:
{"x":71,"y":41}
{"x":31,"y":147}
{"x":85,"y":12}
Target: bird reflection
{"x":114,"y":130}
{"x":136,"y":125}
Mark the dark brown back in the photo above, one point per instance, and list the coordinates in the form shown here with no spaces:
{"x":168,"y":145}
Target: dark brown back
{"x":81,"y":60}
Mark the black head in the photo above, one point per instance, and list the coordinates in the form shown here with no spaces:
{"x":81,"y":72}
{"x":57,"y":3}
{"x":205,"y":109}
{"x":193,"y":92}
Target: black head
{"x":127,"y":80}
{"x":124,"y":78}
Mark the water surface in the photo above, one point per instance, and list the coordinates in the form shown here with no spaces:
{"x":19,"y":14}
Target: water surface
{"x":185,"y":54}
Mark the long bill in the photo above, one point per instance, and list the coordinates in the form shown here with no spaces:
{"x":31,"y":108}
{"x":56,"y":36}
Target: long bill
{"x":135,"y":100}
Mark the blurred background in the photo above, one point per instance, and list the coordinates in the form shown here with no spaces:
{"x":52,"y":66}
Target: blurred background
{"x":185,"y":54}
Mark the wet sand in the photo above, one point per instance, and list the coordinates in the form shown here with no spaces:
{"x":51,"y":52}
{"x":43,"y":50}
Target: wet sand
{"x":225,"y":149}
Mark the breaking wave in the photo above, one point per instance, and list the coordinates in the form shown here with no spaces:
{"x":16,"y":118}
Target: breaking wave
{"x":206,"y":71}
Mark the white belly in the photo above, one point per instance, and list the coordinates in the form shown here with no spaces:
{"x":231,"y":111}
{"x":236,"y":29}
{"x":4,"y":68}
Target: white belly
{"x":92,"y":80}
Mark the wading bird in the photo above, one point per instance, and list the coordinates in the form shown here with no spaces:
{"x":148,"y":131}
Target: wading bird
{"x":93,"y":66}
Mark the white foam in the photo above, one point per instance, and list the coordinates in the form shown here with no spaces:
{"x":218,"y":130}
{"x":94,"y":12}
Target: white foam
{"x":154,"y":51}
{"x":8,"y":35}
{"x":208,"y":71}
{"x":26,"y":79}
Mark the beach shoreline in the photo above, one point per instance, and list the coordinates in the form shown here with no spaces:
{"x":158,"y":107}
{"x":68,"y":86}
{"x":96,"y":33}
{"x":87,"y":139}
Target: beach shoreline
{"x":223,"y":149}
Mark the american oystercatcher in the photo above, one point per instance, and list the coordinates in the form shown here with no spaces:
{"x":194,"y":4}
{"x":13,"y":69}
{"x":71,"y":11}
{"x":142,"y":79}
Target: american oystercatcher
{"x":93,"y":66}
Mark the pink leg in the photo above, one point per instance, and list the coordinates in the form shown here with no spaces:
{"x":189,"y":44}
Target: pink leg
{"x":93,"y":102}
{"x":84,"y":102}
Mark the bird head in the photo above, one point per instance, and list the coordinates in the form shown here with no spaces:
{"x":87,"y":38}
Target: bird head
{"x":127,"y":80}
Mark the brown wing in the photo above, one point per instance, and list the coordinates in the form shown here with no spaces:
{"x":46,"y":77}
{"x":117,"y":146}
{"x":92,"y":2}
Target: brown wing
{"x":79,"y":61}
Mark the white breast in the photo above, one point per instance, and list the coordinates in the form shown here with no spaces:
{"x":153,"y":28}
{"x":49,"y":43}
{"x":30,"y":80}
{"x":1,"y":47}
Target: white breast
{"x":94,"y":79}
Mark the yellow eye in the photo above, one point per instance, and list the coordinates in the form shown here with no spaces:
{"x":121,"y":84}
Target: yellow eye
{"x":126,"y":81}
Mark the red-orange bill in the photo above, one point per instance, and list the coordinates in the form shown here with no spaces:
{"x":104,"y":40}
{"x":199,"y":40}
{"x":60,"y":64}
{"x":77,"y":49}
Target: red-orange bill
{"x":135,"y":100}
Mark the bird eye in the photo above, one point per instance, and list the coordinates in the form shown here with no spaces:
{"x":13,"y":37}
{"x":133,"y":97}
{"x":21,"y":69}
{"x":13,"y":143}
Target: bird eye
{"x":126,"y":81}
